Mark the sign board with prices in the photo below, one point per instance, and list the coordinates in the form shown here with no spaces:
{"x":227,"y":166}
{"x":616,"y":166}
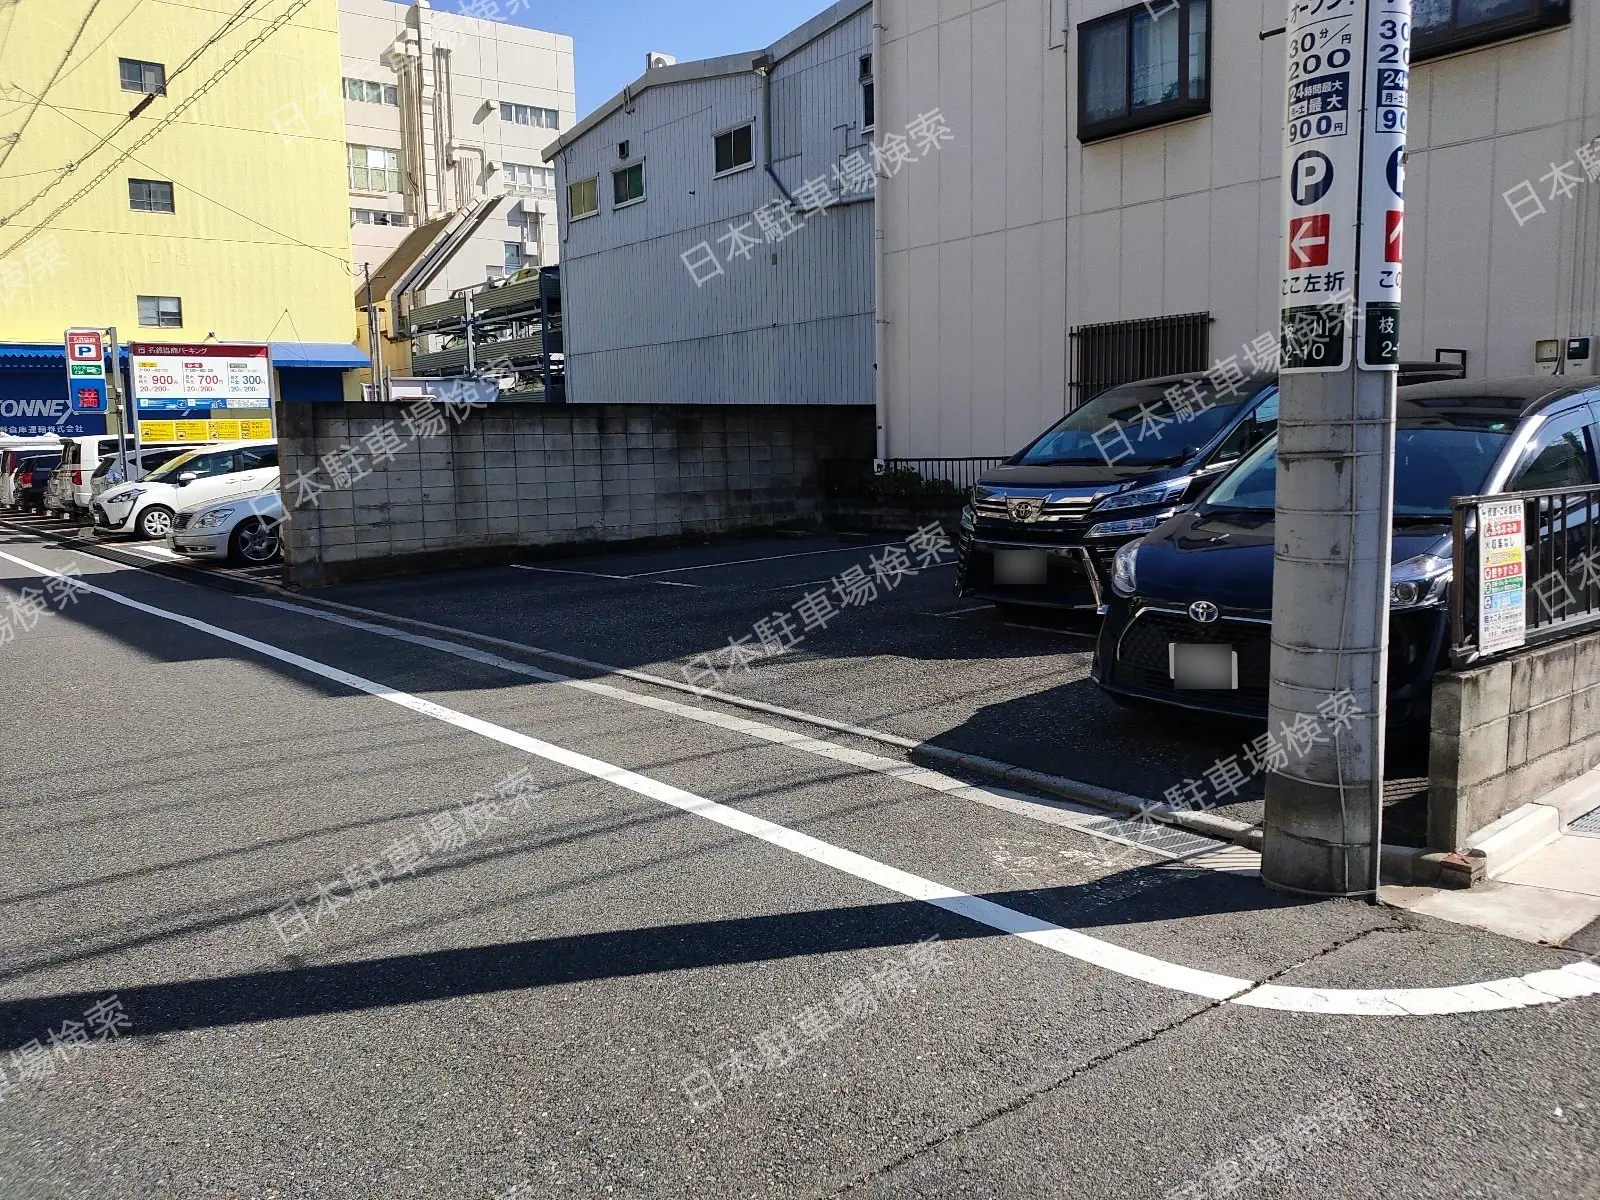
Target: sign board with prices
{"x":201,"y":393}
{"x":86,"y":370}
{"x":1502,"y":576}
{"x":1383,"y":182}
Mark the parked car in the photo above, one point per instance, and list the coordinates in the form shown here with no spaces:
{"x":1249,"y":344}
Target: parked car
{"x":146,"y":508}
{"x":69,"y":493}
{"x":1041,"y":528}
{"x":130,"y":466}
{"x":11,"y":461}
{"x":32,"y":479}
{"x":1205,"y":576}
{"x":242,"y":527}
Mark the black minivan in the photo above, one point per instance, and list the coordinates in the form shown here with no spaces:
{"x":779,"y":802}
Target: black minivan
{"x":1040,"y":529}
{"x":1205,"y":577}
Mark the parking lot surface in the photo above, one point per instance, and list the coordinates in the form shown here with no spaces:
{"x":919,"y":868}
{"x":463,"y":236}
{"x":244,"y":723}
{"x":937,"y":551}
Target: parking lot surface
{"x":393,"y":912}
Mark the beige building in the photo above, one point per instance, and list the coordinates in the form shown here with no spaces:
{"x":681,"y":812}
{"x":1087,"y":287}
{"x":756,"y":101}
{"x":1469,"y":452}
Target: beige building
{"x":1111,"y":207}
{"x":446,"y":116}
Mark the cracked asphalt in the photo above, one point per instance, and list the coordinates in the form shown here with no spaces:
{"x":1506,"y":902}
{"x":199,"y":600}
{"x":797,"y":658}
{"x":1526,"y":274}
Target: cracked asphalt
{"x":631,"y":978}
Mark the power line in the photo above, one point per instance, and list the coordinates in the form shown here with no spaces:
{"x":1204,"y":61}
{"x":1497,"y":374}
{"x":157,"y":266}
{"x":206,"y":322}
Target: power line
{"x":14,"y":138}
{"x":154,"y":131}
{"x":113,"y":33}
{"x":288,"y":238}
{"x":71,"y":167}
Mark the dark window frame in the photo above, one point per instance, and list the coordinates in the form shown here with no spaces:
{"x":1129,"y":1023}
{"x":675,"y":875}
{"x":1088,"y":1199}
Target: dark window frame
{"x":161,"y":321}
{"x":1182,"y":108}
{"x":616,"y":178}
{"x":148,"y":186}
{"x":142,"y":87}
{"x":1537,"y":16}
{"x":869,"y":95}
{"x":735,"y":164}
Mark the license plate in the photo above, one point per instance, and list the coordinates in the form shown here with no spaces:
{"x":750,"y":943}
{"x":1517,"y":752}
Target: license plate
{"x":1014,"y":568}
{"x":1203,"y":668}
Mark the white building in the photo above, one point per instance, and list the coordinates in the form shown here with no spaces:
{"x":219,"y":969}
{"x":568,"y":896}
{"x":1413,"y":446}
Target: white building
{"x":448,"y":115}
{"x":716,"y":228}
{"x":1111,"y":209}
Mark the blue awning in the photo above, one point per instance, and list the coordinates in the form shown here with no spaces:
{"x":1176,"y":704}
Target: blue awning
{"x":337,"y":355}
{"x":317,"y":355}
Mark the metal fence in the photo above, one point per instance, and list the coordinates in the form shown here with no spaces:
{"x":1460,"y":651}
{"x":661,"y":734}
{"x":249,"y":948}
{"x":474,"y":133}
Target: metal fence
{"x":904,"y":478}
{"x":962,"y":472}
{"x":1123,"y":351}
{"x":1526,"y":569}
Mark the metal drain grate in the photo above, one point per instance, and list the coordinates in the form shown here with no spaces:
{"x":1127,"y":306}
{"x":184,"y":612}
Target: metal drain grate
{"x":1588,"y":824}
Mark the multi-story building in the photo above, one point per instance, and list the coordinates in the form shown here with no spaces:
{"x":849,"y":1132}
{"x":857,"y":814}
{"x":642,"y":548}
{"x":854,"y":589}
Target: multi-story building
{"x":1116,"y":210}
{"x":154,"y":177}
{"x":446,"y":118}
{"x":716,"y":233}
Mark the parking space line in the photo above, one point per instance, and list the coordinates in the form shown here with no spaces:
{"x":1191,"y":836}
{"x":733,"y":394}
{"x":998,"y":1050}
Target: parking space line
{"x":558,"y":571}
{"x":740,"y":562}
{"x":1538,"y":988}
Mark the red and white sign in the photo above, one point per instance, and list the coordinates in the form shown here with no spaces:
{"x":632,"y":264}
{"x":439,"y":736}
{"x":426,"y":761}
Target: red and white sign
{"x":1394,"y":230}
{"x":202,"y":376}
{"x":85,"y":346}
{"x":1308,"y":241}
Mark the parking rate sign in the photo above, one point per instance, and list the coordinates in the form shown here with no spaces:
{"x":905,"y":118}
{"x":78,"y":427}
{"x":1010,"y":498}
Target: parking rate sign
{"x":86,"y":370}
{"x":1383,"y":203}
{"x":1346,"y":86}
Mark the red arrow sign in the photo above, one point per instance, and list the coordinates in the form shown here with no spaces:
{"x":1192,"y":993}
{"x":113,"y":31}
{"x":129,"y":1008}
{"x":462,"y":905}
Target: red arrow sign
{"x":1394,"y":229}
{"x":1308,"y":242}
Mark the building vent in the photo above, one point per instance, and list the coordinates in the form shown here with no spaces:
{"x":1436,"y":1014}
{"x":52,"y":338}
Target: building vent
{"x":1123,"y":351}
{"x":655,"y":60}
{"x":622,"y":150}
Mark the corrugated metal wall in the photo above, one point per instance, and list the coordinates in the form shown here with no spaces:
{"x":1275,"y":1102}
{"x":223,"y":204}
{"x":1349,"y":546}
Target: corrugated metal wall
{"x":799,"y":331}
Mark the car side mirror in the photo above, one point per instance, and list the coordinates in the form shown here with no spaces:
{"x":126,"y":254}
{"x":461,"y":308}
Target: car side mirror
{"x":186,"y":478}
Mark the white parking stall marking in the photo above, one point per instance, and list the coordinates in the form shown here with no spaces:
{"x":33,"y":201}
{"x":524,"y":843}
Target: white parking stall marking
{"x":1539,"y":988}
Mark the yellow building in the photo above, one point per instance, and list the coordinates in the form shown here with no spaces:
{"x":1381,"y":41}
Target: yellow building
{"x":176,"y":169}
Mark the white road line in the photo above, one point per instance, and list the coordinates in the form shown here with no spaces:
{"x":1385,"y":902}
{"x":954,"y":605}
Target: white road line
{"x":557,"y":571}
{"x":1539,"y":988}
{"x":740,"y":562}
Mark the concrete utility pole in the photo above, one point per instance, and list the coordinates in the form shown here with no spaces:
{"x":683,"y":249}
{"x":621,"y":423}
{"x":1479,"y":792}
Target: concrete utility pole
{"x":1344,"y":150}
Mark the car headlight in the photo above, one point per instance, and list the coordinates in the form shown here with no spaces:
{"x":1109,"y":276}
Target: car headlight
{"x":1419,"y":581}
{"x":1130,"y":526}
{"x":1154,"y":496}
{"x":1124,"y":570}
{"x":214,"y":518}
{"x":126,"y":497}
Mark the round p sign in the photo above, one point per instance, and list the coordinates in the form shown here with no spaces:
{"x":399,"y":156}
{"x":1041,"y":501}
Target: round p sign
{"x":1310,"y":177}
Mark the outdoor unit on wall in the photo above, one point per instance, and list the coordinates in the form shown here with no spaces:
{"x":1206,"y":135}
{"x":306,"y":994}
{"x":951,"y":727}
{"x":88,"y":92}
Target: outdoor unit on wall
{"x":655,"y":60}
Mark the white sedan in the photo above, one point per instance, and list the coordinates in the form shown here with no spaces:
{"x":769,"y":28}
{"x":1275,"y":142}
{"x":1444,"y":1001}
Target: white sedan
{"x":243,"y":527}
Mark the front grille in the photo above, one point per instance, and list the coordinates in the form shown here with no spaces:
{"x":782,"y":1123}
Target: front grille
{"x":181,"y":521}
{"x":1059,"y":508}
{"x":1142,"y":660}
{"x":1066,"y":580}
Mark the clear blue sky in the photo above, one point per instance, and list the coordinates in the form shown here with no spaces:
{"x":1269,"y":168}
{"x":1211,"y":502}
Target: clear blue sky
{"x":611,"y":37}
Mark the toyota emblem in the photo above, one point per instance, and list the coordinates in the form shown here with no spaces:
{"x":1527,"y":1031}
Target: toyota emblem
{"x":1203,"y":611}
{"x":1024,"y":508}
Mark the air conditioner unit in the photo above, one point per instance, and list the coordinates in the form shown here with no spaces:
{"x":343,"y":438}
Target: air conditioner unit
{"x":655,"y":60}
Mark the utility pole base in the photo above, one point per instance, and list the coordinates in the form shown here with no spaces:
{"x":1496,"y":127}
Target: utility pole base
{"x":1309,"y":848}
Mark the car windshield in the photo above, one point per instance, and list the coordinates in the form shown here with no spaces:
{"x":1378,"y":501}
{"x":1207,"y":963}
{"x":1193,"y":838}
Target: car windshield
{"x":169,"y":470}
{"x":1137,"y":424}
{"x":1431,"y":464}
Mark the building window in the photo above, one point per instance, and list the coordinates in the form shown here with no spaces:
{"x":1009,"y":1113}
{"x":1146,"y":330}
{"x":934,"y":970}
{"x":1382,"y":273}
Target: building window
{"x":366,"y":91}
{"x":1144,"y":66}
{"x":146,"y":77}
{"x":1124,"y":351}
{"x":1447,"y":26}
{"x":513,"y":257}
{"x":733,"y":150}
{"x":869,"y":99}
{"x":376,"y":216}
{"x":161,"y":312}
{"x":524,"y":180}
{"x":527,"y":114}
{"x":373,"y":168}
{"x":583,"y":198}
{"x":150,"y":195}
{"x":627,"y":185}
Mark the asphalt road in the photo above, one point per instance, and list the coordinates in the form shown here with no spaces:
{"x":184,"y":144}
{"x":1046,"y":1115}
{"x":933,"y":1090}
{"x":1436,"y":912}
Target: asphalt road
{"x":683,"y":955}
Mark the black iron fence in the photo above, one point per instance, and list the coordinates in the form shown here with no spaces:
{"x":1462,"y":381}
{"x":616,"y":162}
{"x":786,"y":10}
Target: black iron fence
{"x":903,"y":479}
{"x":1124,"y":351}
{"x":1526,"y":569}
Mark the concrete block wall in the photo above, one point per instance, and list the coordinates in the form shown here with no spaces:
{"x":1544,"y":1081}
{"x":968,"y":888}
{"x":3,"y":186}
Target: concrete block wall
{"x":1506,"y":733}
{"x":519,"y":477}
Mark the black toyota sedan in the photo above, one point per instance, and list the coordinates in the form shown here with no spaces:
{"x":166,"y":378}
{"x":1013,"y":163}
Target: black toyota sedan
{"x":1041,"y":528}
{"x":1205,"y":576}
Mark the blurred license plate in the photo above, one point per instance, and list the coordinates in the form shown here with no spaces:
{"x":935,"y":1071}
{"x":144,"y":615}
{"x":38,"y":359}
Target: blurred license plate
{"x":1203,"y":668}
{"x":1020,"y":567}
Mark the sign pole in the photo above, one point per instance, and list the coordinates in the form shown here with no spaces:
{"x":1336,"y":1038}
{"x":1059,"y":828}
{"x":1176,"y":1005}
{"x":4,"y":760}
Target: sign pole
{"x":1344,"y":154}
